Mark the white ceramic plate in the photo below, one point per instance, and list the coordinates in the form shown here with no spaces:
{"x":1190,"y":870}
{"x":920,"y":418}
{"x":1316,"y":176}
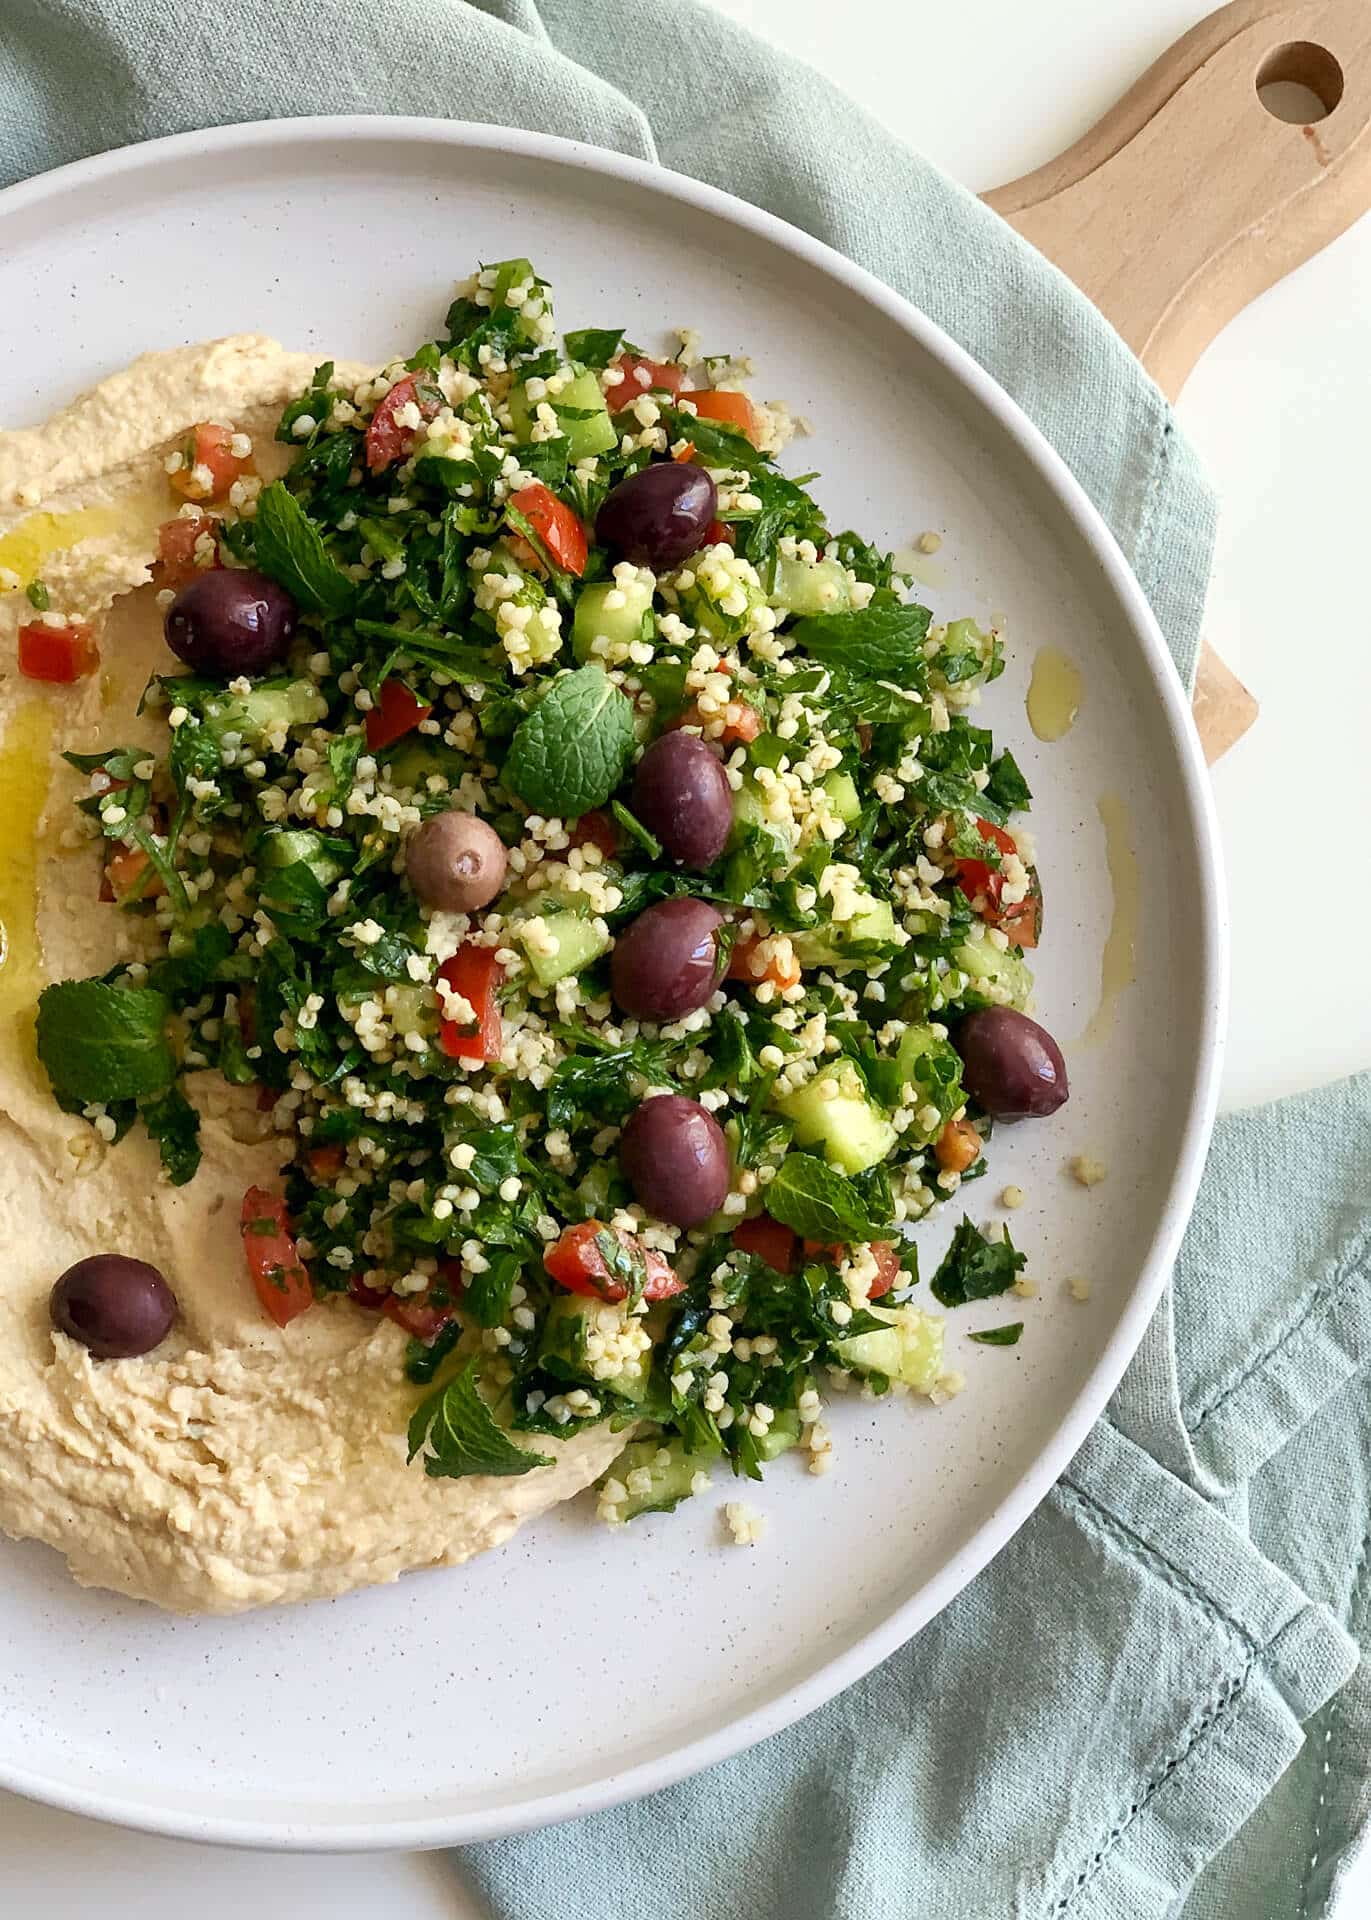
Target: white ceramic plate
{"x":577,"y":1667}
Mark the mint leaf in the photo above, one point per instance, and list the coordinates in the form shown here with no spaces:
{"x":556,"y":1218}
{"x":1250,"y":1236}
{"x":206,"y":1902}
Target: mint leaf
{"x":461,"y":1436}
{"x":571,"y":752}
{"x":999,"y":1336}
{"x":288,"y":546}
{"x":175,"y":1125}
{"x":101,"y":1043}
{"x":817,"y":1203}
{"x":879,"y":643}
{"x":593,"y":346}
{"x":973,"y":1267}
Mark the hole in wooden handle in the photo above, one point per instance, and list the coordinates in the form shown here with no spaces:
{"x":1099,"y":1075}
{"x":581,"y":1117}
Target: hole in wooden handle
{"x":1300,"y":83}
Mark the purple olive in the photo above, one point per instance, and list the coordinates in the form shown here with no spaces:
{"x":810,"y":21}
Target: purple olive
{"x":666,"y":962}
{"x":681,"y":794}
{"x":658,"y":516}
{"x":1011,"y":1065}
{"x":115,"y":1306}
{"x":456,"y":862}
{"x":676,"y":1159}
{"x":230,"y":620}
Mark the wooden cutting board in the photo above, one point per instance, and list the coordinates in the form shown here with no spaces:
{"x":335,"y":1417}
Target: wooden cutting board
{"x":1190,"y":198}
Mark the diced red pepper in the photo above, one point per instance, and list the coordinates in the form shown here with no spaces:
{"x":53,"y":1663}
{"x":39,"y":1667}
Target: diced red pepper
{"x":388,"y":441}
{"x":577,"y":1264}
{"x":209,"y":466}
{"x":283,"y":1286}
{"x":733,"y":409}
{"x":397,"y":712}
{"x":57,"y":654}
{"x":664,"y":376}
{"x":744,"y":963}
{"x":475,"y":973}
{"x":176,"y":542}
{"x":555,"y":525}
{"x":596,"y":829}
{"x":683,"y":455}
{"x":769,"y":1240}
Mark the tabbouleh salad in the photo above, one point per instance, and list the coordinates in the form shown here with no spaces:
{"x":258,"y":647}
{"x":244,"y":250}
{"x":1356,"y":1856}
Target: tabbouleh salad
{"x":592,"y":861}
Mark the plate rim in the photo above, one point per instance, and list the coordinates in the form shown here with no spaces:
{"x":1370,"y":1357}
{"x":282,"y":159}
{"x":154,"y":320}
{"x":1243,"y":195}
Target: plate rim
{"x":786,"y":1704}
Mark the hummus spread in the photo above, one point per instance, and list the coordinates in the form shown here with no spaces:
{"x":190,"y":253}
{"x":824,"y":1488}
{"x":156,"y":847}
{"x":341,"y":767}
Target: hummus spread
{"x":237,"y":1464}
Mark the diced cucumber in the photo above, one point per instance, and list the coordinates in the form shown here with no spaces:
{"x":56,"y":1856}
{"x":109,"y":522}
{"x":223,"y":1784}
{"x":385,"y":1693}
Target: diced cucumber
{"x":265,"y":710}
{"x":807,"y":587}
{"x":670,"y":1477}
{"x":828,"y":946}
{"x":834,"y":1111}
{"x":780,"y":1436}
{"x":519,"y":273}
{"x":933,"y":1067}
{"x":621,"y":625}
{"x":581,"y":414}
{"x":841,"y":789}
{"x":564,"y":943}
{"x":702,"y":602}
{"x":412,"y":760}
{"x":750,"y":816}
{"x":287,"y":846}
{"x":1002,"y":977}
{"x":411,"y":1009}
{"x":908,"y":1348}
{"x":571,"y":1319}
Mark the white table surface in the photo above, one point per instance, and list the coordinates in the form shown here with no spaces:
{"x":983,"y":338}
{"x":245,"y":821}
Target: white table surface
{"x":1280,"y":410}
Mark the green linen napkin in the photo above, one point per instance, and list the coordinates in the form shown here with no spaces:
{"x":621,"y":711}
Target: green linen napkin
{"x":1148,"y":1705}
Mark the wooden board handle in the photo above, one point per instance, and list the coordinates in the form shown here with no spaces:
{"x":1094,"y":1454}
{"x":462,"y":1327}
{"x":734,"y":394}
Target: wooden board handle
{"x":1190,"y":198}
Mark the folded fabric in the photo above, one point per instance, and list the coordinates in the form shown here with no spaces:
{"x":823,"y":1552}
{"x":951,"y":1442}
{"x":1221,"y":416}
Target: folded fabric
{"x":1146,"y":1705}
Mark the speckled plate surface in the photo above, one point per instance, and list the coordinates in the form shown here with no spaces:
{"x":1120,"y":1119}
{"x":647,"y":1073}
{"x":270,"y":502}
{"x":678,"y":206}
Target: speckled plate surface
{"x":519,"y":1690}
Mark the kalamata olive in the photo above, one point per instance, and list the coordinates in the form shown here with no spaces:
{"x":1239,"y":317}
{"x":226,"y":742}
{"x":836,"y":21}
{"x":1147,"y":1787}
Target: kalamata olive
{"x":456,"y":862}
{"x":1011,"y":1065}
{"x":681,"y":793}
{"x":658,"y":516}
{"x":666,"y":962}
{"x":115,"y":1306}
{"x":230,"y":620}
{"x":676,"y":1159}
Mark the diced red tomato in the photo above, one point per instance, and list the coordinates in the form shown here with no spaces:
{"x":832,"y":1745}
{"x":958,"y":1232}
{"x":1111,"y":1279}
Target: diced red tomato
{"x":475,"y":973}
{"x":769,"y":1240}
{"x":577,"y":1264}
{"x":208,"y":452}
{"x":829,"y":1251}
{"x":683,"y":455}
{"x":978,"y":879}
{"x":388,"y":441}
{"x":596,"y":829}
{"x":732,"y":409}
{"x":887,"y":1268}
{"x":664,"y":376}
{"x":718,"y":530}
{"x":176,"y":540}
{"x":325,"y":1163}
{"x":417,"y":1314}
{"x":278,"y":1274}
{"x":57,"y":654}
{"x":127,"y":872}
{"x":396,"y":712}
{"x":555,"y":525}
{"x":742,"y":722}
{"x":745,"y":963}
{"x":978,"y":876}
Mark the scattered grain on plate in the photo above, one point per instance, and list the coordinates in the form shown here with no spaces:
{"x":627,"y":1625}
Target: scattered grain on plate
{"x":929,"y":542}
{"x":1078,"y":1287}
{"x":1086,"y":1171}
{"x":1012,"y":1197}
{"x":745,"y":1525}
